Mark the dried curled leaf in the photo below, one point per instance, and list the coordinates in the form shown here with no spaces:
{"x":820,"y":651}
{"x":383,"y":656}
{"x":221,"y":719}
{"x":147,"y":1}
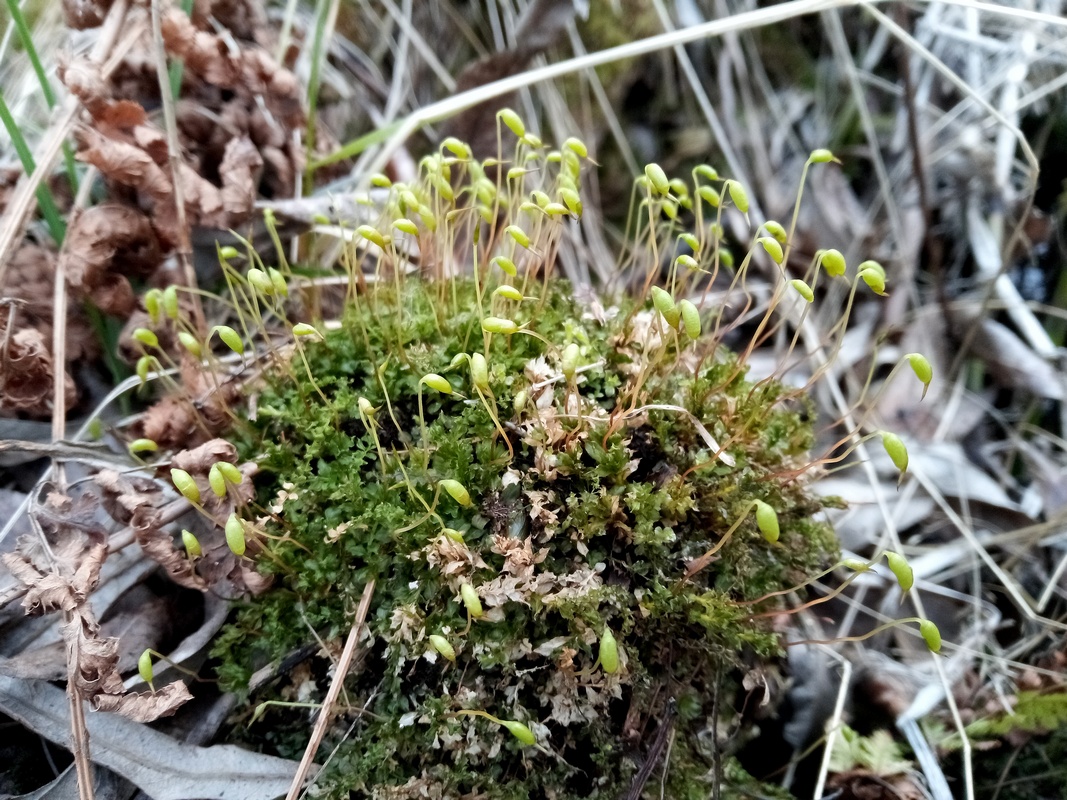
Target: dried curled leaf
{"x":26,"y":371}
{"x":105,"y":246}
{"x":159,"y":546}
{"x":215,"y":60}
{"x":81,"y":14}
{"x":199,"y":460}
{"x":145,"y":706}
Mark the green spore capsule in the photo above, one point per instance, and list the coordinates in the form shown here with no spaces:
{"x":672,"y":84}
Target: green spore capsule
{"x":513,"y":121}
{"x":146,"y":337}
{"x":508,"y":293}
{"x":437,"y":382}
{"x":185,"y":484}
{"x":576,"y":146}
{"x":230,"y":472}
{"x":658,"y":178}
{"x":190,"y":343}
{"x":499,"y":325}
{"x":144,"y":667}
{"x":666,"y":306}
{"x":441,"y":645}
{"x":776,"y":230}
{"x":767,"y":521}
{"x":690,"y":318}
{"x":773,"y":248}
{"x":480,"y":372}
{"x":902,"y":570}
{"x":519,"y":731}
{"x":192,"y":544}
{"x":153,"y":300}
{"x":235,"y":535}
{"x":373,"y":235}
{"x":216,"y":481}
{"x":922,"y":369}
{"x":406,"y":226}
{"x":894,"y":446}
{"x":230,"y":338}
{"x":931,"y":635}
{"x":518,"y":235}
{"x":833,"y":262}
{"x":710,"y":196}
{"x":456,"y":490}
{"x":687,"y":262}
{"x":470,"y":600}
{"x":142,"y":446}
{"x":170,"y":302}
{"x":803,"y":290}
{"x":259,"y":280}
{"x":144,"y":363}
{"x":609,"y":652}
{"x":738,"y":195}
{"x":874,"y":281}
{"x":569,"y":361}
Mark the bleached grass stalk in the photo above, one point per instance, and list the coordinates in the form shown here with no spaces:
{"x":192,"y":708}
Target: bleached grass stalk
{"x":184,"y":248}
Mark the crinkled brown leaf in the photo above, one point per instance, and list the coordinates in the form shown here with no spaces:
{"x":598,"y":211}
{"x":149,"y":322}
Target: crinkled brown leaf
{"x":145,"y":706}
{"x":26,"y":373}
{"x":199,"y":460}
{"x":95,"y":659}
{"x":47,"y":591}
{"x":159,"y":546}
{"x":124,"y":163}
{"x":30,"y":279}
{"x":123,"y":494}
{"x":239,"y":172}
{"x":81,"y":14}
{"x":211,"y":57}
{"x":106,"y":244}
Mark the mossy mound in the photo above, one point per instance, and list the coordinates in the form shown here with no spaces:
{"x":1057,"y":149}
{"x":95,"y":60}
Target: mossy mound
{"x":595,"y":477}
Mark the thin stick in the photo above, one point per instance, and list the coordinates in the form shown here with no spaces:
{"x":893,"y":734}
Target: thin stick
{"x":339,"y":675}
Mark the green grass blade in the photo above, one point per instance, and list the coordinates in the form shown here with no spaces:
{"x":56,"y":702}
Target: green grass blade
{"x":178,"y":66}
{"x":357,"y":146}
{"x":26,"y":38}
{"x":56,"y":227}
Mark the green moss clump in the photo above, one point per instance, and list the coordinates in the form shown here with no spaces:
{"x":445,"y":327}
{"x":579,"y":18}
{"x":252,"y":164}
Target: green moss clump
{"x":612,"y":489}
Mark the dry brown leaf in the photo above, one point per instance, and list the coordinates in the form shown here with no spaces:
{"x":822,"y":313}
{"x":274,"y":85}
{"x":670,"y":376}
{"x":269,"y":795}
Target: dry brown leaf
{"x":124,"y":163}
{"x":239,"y":172}
{"x":26,"y":371}
{"x":95,"y":659}
{"x":211,"y":58}
{"x":124,"y":494}
{"x":30,"y":278}
{"x":81,"y":14}
{"x":105,"y":245}
{"x":199,"y":460}
{"x":145,"y":706}
{"x":159,"y":546}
